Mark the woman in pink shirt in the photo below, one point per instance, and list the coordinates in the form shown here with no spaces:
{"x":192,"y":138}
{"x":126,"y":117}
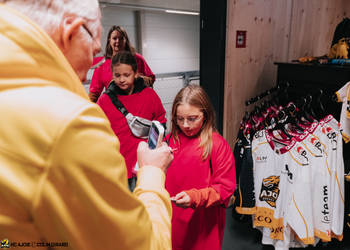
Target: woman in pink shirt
{"x":117,"y":40}
{"x":201,"y":178}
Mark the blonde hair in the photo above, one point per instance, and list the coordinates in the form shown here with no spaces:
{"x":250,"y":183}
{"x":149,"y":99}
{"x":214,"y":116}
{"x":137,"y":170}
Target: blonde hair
{"x":195,"y":96}
{"x":48,"y":14}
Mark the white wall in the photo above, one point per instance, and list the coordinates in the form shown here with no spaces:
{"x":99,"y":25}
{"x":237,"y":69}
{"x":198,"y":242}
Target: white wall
{"x":170,"y":41}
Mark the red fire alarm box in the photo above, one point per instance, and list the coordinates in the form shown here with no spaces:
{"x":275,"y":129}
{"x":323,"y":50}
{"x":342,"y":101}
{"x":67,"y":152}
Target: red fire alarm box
{"x":241,"y":38}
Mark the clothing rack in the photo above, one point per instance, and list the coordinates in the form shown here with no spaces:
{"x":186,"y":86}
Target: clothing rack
{"x":266,"y":93}
{"x":262,"y":95}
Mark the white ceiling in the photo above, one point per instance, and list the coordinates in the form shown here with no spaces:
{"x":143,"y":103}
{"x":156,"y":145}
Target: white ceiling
{"x":189,"y":5}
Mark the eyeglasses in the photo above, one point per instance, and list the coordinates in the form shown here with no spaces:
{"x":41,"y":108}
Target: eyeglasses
{"x":88,"y":31}
{"x":190,"y":120}
{"x":94,"y":41}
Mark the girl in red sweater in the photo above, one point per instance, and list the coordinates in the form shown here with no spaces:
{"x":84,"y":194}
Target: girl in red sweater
{"x":117,"y":41}
{"x":201,"y":178}
{"x":137,"y":98}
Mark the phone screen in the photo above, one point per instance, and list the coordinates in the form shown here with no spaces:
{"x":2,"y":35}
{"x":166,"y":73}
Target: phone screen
{"x":153,"y":137}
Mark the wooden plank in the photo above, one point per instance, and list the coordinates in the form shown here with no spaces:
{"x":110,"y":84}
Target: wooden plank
{"x":313,"y":25}
{"x":250,"y":70}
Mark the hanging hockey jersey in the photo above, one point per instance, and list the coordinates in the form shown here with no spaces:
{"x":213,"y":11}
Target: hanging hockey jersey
{"x":282,"y":187}
{"x":244,"y":193}
{"x":343,"y":95}
{"x":331,"y":132}
{"x":320,"y":183}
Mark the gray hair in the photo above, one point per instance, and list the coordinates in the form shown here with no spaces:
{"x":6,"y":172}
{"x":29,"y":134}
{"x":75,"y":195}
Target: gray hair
{"x":49,"y":13}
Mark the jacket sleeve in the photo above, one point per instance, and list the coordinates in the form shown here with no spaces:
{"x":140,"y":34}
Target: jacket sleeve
{"x":204,"y":197}
{"x":96,"y":85}
{"x":223,"y":179}
{"x":150,"y":182}
{"x":85,"y":192}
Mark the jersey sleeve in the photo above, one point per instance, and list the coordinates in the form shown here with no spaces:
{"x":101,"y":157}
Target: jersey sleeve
{"x":299,"y":213}
{"x":342,"y":93}
{"x":223,"y":179}
{"x":337,"y":189}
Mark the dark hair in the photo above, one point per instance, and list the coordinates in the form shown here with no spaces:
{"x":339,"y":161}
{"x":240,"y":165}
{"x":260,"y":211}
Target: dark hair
{"x":122,"y":32}
{"x":196,"y":96}
{"x":124,"y":57}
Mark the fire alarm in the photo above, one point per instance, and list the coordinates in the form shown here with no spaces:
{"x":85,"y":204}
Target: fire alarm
{"x":241,"y":38}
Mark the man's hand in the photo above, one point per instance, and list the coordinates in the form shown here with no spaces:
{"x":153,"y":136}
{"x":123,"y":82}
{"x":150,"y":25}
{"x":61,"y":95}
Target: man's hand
{"x":161,"y":157}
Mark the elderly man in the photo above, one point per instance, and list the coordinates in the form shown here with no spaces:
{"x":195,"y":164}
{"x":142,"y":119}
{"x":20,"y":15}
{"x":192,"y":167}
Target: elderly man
{"x":63,"y":180}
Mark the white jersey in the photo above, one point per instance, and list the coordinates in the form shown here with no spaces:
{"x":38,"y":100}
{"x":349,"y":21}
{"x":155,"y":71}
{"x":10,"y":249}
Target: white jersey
{"x":320,"y":183}
{"x":343,"y":95}
{"x":282,"y":188}
{"x":334,"y":211}
{"x":330,"y":128}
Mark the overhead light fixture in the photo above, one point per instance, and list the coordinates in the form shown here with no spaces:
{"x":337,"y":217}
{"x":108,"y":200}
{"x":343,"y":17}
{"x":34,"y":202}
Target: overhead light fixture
{"x":182,"y":12}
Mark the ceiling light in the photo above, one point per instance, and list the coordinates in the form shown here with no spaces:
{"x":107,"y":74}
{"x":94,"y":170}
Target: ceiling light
{"x":182,"y":12}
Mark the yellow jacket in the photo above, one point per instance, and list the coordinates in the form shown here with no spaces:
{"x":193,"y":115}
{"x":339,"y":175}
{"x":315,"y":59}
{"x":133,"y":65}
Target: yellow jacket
{"x":63,"y":180}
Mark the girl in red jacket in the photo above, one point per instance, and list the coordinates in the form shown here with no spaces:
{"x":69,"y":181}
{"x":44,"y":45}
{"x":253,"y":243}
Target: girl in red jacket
{"x":137,"y":98}
{"x":117,"y":41}
{"x":201,"y":178}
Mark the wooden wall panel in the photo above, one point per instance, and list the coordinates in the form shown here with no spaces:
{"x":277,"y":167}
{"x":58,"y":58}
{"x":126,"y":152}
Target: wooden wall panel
{"x":250,"y":70}
{"x":313,"y":25}
{"x":277,"y":30}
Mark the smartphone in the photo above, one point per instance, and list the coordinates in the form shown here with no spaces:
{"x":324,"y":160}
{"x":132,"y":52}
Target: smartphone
{"x":155,"y":136}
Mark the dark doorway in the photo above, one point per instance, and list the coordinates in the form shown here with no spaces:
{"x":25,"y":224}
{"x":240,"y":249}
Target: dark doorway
{"x":212,"y":53}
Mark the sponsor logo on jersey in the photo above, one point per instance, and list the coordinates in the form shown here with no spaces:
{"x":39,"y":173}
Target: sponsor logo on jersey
{"x":314,"y":141}
{"x":288,"y":172}
{"x":5,"y":243}
{"x":269,"y":190}
{"x":332,"y":136}
{"x":259,"y":134}
{"x":265,"y":219}
{"x":302,"y":152}
{"x":325,"y":208}
{"x":260,"y":159}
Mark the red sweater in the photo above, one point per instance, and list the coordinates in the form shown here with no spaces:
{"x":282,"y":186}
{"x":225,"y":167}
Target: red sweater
{"x":145,"y":104}
{"x":103,"y":74}
{"x":201,"y":227}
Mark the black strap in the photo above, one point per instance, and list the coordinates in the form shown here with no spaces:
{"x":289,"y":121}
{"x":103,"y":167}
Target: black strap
{"x":211,"y":167}
{"x":113,"y":95}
